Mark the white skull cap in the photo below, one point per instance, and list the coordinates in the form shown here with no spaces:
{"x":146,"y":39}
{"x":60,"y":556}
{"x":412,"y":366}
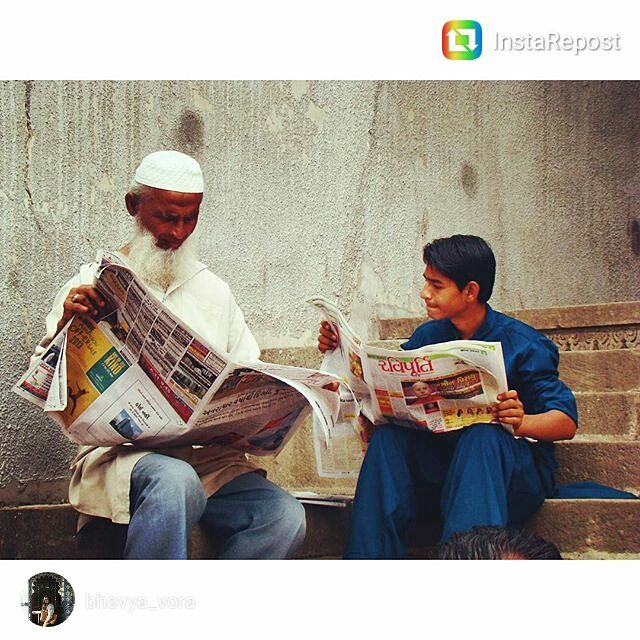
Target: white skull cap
{"x":170,"y":170}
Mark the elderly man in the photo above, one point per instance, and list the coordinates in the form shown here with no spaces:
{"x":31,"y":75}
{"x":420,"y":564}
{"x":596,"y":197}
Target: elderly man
{"x":162,"y":494}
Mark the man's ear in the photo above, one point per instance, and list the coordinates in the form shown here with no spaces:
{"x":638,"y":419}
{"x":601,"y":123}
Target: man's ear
{"x":472,"y":291}
{"x":132,"y":203}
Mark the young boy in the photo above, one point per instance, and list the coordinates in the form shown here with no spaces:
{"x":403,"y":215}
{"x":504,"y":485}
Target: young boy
{"x":480,"y":475}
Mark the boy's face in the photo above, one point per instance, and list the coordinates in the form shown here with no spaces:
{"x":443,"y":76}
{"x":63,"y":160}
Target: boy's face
{"x":442,"y":297}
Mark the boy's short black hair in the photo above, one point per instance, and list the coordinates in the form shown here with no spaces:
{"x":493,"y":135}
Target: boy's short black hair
{"x":463,"y":259}
{"x":496,"y":543}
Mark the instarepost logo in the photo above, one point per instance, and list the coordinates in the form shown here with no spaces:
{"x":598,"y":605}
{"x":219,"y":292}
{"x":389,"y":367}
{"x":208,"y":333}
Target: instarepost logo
{"x":462,"y":40}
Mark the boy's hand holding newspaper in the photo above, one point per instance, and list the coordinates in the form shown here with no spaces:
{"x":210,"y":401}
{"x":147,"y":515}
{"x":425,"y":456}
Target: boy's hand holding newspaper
{"x":509,"y":410}
{"x":327,"y":338}
{"x":328,"y":341}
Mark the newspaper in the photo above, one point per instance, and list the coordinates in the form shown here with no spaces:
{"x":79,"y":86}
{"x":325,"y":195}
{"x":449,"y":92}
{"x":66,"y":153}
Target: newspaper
{"x":137,"y":374}
{"x":441,"y":387}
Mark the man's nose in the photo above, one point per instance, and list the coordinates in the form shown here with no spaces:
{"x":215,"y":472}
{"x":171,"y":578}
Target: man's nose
{"x":179,"y":231}
{"x":425,"y":294}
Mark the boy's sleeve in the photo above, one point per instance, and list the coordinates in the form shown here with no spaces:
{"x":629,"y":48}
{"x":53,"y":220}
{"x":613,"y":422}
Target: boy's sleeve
{"x":538,"y":385}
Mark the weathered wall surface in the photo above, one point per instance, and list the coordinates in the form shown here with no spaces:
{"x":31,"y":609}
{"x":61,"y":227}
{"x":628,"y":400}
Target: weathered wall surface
{"x":314,"y":187}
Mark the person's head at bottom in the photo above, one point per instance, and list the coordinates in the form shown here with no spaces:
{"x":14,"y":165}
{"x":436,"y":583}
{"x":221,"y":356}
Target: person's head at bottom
{"x":497,"y":543}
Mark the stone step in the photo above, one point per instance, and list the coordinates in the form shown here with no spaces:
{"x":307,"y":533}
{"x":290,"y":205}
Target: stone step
{"x":614,"y":325}
{"x":580,"y":528}
{"x":38,"y":531}
{"x":612,"y":370}
{"x":582,"y":317}
{"x":612,"y":462}
{"x":614,"y":413}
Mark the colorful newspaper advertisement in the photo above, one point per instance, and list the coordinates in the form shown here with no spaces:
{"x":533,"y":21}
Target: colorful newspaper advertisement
{"x":441,"y":387}
{"x":43,"y":382}
{"x":137,"y":374}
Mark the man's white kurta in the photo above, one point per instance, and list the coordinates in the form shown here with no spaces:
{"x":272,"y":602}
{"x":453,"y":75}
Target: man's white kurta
{"x":101,"y":476}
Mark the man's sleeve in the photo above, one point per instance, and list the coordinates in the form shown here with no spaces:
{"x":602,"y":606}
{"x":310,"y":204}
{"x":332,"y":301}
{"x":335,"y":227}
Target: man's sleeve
{"x":242,"y":345}
{"x":538,"y":385}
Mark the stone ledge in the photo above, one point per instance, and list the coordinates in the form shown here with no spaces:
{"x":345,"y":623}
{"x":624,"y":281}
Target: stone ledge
{"x":582,"y":316}
{"x":573,"y":317}
{"x":616,"y":464}
{"x":38,"y":532}
{"x":614,"y":370}
{"x":35,"y":491}
{"x":599,"y":555}
{"x":597,"y":528}
{"x":604,"y":459}
{"x":581,"y":528}
{"x":615,"y":325}
{"x":594,"y":525}
{"x":615,"y":413}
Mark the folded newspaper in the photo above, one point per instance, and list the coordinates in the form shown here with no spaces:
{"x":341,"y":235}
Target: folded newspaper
{"x":440,"y":387}
{"x":137,"y":374}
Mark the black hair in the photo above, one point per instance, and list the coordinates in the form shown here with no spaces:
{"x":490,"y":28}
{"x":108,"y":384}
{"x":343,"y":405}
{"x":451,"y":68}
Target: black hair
{"x":463,"y":259}
{"x":497,"y":543}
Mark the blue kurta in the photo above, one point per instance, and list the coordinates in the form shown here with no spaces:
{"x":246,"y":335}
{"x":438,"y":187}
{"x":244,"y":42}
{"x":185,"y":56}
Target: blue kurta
{"x":480,"y":475}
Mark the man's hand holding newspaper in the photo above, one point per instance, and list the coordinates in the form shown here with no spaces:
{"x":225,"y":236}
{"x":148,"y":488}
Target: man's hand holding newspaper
{"x":84,"y":300}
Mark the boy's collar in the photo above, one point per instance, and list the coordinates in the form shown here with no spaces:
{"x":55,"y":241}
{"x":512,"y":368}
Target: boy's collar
{"x":484,"y":329}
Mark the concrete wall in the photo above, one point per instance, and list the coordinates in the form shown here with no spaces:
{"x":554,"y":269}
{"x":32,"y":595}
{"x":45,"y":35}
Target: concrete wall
{"x":314,"y":187}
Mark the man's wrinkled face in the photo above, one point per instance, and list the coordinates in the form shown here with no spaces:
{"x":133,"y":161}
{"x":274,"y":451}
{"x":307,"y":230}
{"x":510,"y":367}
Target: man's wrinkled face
{"x":170,"y":216}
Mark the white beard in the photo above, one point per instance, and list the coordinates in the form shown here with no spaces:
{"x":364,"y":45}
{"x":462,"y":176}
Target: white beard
{"x":161,"y":267}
